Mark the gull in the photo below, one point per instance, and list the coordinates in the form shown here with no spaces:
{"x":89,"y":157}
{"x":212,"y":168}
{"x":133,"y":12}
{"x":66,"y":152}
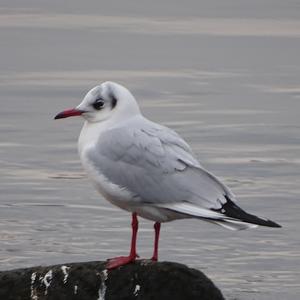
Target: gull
{"x":147,"y":169}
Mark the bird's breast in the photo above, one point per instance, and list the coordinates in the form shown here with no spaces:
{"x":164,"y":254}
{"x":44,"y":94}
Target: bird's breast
{"x":112,"y":192}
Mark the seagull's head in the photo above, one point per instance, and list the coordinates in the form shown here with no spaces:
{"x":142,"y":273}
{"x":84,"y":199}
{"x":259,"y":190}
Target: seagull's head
{"x":103,"y":102}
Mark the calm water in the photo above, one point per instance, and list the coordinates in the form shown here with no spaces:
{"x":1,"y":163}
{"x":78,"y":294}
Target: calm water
{"x":225,"y":76}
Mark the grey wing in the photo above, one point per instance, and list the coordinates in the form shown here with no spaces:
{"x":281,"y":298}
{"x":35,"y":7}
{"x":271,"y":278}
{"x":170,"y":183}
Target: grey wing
{"x":158,"y":168}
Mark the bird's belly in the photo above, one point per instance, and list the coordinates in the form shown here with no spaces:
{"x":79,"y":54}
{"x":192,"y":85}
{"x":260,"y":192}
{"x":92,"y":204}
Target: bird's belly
{"x":157,"y":214}
{"x":126,"y":200}
{"x":113,"y":193}
{"x":122,"y":197}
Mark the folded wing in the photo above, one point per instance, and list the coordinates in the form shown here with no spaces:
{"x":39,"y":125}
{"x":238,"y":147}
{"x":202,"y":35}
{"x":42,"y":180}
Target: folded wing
{"x":159,"y":169}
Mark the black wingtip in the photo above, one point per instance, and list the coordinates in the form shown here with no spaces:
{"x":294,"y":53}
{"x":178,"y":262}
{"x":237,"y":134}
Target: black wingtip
{"x":230,"y":209}
{"x":273,"y":224}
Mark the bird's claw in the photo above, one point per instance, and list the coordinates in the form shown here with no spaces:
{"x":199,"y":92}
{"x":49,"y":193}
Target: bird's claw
{"x":116,"y":262}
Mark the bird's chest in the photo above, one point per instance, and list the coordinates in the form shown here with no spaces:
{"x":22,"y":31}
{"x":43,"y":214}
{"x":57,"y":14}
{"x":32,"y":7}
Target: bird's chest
{"x":112,"y":192}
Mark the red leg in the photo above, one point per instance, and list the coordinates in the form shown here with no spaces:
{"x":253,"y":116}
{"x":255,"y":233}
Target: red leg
{"x":155,"y":251}
{"x":124,"y":260}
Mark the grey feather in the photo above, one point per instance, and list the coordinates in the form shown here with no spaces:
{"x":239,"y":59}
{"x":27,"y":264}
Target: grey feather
{"x":155,"y":165}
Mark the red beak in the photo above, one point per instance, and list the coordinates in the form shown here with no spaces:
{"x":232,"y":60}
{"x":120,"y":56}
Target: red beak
{"x":69,"y":113}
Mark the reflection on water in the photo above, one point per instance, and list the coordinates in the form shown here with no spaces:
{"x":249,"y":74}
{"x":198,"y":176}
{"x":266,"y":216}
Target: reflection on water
{"x":232,"y":91}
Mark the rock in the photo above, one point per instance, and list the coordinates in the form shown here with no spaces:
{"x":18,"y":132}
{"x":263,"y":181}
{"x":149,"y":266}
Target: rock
{"x":91,"y":281}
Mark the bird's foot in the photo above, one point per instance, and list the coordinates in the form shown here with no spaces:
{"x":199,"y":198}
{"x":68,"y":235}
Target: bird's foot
{"x":116,"y":262}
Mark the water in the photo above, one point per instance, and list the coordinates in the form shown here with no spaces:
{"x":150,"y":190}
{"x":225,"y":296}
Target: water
{"x":225,"y":76}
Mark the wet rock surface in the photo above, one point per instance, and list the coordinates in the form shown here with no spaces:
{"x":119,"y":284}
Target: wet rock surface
{"x":90,"y":280}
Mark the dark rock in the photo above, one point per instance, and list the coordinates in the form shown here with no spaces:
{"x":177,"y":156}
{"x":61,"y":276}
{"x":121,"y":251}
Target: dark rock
{"x":91,"y":281}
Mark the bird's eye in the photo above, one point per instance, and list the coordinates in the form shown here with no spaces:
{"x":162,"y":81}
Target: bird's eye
{"x":98,"y":104}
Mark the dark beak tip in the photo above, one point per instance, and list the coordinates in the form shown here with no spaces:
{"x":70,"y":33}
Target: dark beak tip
{"x":58,"y":116}
{"x":68,"y":113}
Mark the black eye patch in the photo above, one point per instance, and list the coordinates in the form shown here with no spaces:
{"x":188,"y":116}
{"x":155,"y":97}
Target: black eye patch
{"x":98,"y":104}
{"x":113,"y":101}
